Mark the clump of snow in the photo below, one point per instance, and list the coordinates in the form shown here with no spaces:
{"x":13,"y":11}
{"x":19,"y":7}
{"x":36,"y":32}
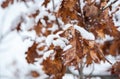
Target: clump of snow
{"x":50,"y":39}
{"x":43,"y":30}
{"x":59,"y":42}
{"x":28,"y":34}
{"x":69,"y":76}
{"x":107,"y":38}
{"x":40,"y":39}
{"x":41,"y":15}
{"x":95,"y":78}
{"x":56,"y":40}
{"x":67,"y":47}
{"x":67,"y":26}
{"x":12,"y":60}
{"x":28,"y":22}
{"x":10,"y":14}
{"x":53,"y":28}
{"x":43,"y":22}
{"x":85,"y":34}
{"x":51,"y":17}
{"x":116,"y":18}
{"x":61,"y":22}
{"x":47,"y":54}
{"x":82,"y":4}
{"x":57,"y":4}
{"x":97,"y":1}
{"x":37,"y":67}
{"x":65,"y":40}
{"x":119,"y":29}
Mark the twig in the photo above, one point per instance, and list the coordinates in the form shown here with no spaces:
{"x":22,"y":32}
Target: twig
{"x":26,"y":3}
{"x":101,"y":53}
{"x":105,"y":7}
{"x":106,"y":58}
{"x":108,"y":5}
{"x":55,"y":16}
{"x":91,"y":71}
{"x":82,"y":15}
{"x":104,"y":76}
{"x":80,"y":70}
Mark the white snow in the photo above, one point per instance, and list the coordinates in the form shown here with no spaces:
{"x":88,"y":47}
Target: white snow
{"x":107,"y":38}
{"x":85,"y":34}
{"x":53,"y":28}
{"x":13,"y":45}
{"x":97,"y":1}
{"x":59,"y":42}
{"x":28,"y":34}
{"x":67,"y":26}
{"x":51,"y":17}
{"x":10,"y":14}
{"x":82,"y":4}
{"x":43,"y":22}
{"x":12,"y":56}
{"x":56,"y":40}
{"x":47,"y":54}
{"x":116,"y":18}
{"x":69,"y":76}
{"x":67,"y":47}
{"x":50,"y":39}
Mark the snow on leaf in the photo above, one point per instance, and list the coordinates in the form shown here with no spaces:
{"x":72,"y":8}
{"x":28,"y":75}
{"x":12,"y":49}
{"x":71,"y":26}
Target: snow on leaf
{"x":85,"y":34}
{"x":47,"y":54}
{"x":67,"y":47}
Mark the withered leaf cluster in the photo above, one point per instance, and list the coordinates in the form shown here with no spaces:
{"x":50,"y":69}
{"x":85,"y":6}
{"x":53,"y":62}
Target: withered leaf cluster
{"x":93,"y":17}
{"x":115,"y":69}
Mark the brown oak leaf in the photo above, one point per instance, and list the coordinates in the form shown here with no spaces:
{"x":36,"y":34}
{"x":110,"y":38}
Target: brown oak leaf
{"x":32,"y":53}
{"x":53,"y":68}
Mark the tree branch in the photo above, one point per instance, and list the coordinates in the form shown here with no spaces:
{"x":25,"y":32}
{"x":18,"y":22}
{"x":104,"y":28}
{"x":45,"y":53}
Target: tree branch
{"x":55,"y":16}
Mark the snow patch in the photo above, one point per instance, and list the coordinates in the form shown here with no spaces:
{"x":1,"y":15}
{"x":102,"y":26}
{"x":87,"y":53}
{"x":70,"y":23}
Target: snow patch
{"x":47,"y":54}
{"x":67,"y":47}
{"x":85,"y":34}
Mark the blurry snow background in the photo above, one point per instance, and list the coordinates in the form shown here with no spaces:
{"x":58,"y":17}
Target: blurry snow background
{"x":13,"y":64}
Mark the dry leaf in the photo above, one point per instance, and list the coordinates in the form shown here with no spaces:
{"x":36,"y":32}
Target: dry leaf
{"x":32,"y":53}
{"x":54,"y":68}
{"x":45,"y":3}
{"x":94,"y":56}
{"x":35,"y":74}
{"x":6,"y":3}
